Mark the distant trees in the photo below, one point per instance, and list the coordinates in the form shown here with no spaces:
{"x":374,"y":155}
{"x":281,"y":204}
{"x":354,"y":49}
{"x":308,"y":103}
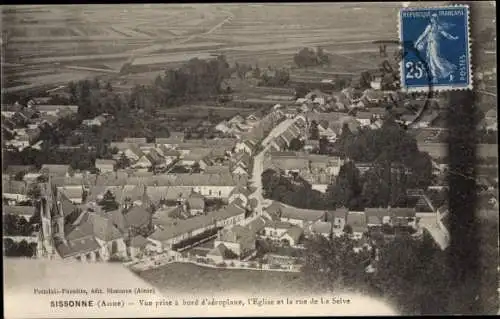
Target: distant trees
{"x":242,"y":69}
{"x":274,"y":77}
{"x":195,"y":80}
{"x":308,"y":57}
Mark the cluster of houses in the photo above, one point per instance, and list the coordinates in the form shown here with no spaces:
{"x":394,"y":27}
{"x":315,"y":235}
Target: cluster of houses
{"x":121,"y":212}
{"x":174,"y":151}
{"x":293,"y":129}
{"x":287,"y":226}
{"x":24,"y":123}
{"x":76,"y":225}
{"x":250,"y":141}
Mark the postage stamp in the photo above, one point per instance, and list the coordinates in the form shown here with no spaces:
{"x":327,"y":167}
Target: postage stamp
{"x":436,"y":48}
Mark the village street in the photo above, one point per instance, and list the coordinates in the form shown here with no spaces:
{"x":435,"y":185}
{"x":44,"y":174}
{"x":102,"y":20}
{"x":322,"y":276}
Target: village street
{"x":258,"y":165}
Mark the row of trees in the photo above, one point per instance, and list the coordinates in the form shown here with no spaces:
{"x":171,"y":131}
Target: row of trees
{"x":14,"y":225}
{"x":21,"y":249}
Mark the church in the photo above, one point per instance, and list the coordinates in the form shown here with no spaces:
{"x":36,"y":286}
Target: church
{"x":70,"y":232}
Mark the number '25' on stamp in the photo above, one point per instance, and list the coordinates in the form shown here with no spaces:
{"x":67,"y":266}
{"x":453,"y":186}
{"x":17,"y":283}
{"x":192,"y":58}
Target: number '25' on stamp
{"x":436,"y":48}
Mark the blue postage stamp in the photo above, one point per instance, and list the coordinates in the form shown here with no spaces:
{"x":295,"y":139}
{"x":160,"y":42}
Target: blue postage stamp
{"x":436,"y":48}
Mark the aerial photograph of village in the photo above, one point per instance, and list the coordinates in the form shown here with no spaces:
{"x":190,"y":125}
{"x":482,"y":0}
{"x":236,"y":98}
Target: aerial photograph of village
{"x":241,"y":147}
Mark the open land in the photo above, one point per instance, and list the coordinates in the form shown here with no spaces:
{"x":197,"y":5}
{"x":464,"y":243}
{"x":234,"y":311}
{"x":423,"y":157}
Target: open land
{"x":184,"y":278}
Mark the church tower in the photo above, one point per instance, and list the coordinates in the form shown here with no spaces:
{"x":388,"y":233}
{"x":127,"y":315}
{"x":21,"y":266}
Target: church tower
{"x":46,"y":242}
{"x":47,"y":248}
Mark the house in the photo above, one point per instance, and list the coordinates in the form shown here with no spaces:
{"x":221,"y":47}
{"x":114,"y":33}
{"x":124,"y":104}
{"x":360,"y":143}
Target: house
{"x":20,"y":142}
{"x":321,"y":228}
{"x":242,"y":159}
{"x":92,"y":237}
{"x":241,"y":193}
{"x":283,"y":232}
{"x":135,"y":140}
{"x":31,"y":177}
{"x":74,"y":193}
{"x":223,"y":127}
{"x":132,"y":220}
{"x":238,"y":239}
{"x":196,"y":204}
{"x":96,"y":121}
{"x":217,"y":169}
{"x":376,"y":83}
{"x":134,"y":153}
{"x":491,"y":120}
{"x":237,"y":119}
{"x":220,"y":253}
{"x":105,"y":165}
{"x":246,"y":146}
{"x":138,"y":246}
{"x":55,"y":170}
{"x":176,"y":232}
{"x":338,"y":218}
{"x":296,"y":216}
{"x":275,"y":229}
{"x":357,"y":222}
{"x":196,"y":156}
{"x":376,"y":217}
{"x":14,"y":191}
{"x":171,"y":142}
{"x":56,"y":109}
{"x":402,"y":216}
{"x":292,"y":237}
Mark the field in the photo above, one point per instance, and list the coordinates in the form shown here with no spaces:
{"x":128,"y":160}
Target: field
{"x":49,"y":39}
{"x":187,"y":278}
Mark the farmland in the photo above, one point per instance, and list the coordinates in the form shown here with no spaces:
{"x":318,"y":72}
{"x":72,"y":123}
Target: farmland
{"x":41,"y":42}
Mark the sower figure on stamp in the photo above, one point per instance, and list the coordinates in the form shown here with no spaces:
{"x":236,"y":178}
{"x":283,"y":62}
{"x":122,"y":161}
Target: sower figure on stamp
{"x":429,"y":43}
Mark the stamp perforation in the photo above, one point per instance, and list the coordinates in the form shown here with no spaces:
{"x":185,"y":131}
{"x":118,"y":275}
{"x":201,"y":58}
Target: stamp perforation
{"x":438,"y":87}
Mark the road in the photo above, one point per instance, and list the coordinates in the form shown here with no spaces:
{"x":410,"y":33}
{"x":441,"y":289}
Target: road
{"x":258,"y":165}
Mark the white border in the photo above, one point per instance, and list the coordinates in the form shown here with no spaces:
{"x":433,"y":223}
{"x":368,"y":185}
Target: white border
{"x":441,"y":88}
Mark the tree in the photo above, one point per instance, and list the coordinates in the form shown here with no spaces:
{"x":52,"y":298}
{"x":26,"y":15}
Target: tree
{"x":123,"y":162}
{"x":347,"y":188}
{"x":270,"y":180}
{"x":414,"y":275}
{"x":314,"y":131}
{"x":34,"y":192}
{"x":108,"y":202}
{"x":332,"y":264}
{"x":296,"y":144}
{"x":375,"y":191}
